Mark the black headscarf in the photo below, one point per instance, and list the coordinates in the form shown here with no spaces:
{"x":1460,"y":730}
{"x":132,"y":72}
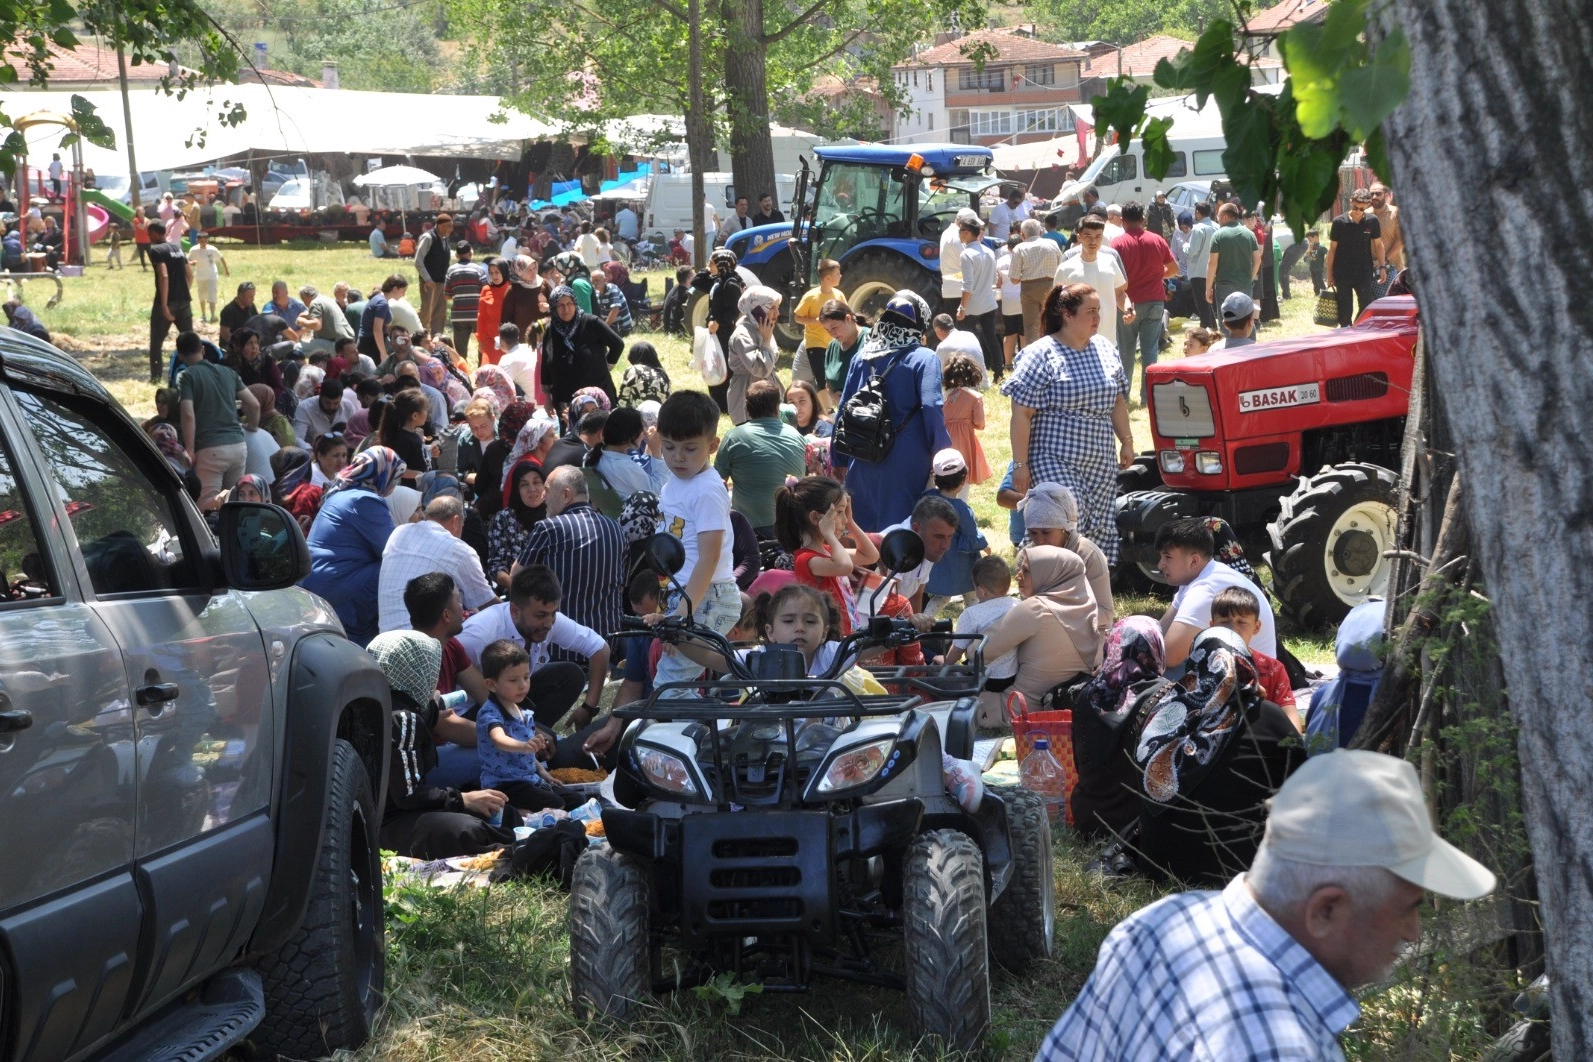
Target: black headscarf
{"x":528,"y":515}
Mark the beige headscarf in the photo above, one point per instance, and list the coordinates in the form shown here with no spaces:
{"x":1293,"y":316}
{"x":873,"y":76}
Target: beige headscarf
{"x":1057,"y":577}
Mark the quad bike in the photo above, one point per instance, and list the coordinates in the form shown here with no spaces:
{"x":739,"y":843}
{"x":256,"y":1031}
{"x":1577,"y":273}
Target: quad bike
{"x":801,"y":829}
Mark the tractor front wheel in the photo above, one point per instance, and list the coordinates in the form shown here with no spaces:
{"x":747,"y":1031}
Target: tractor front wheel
{"x":872,"y":279}
{"x":1329,"y":541}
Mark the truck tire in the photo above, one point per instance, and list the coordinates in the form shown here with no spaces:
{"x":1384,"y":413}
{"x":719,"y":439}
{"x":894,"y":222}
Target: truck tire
{"x":947,"y":945}
{"x":323,"y":987}
{"x":609,"y":939}
{"x":1132,"y":577}
{"x":873,"y":277}
{"x":1023,"y":918}
{"x":1328,"y":542}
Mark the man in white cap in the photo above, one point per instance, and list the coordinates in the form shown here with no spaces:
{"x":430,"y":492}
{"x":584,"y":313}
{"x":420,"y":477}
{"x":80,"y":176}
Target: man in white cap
{"x":951,"y":260}
{"x":1264,"y":969}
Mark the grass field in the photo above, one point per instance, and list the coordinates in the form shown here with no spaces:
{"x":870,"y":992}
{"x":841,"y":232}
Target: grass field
{"x":481,"y":974}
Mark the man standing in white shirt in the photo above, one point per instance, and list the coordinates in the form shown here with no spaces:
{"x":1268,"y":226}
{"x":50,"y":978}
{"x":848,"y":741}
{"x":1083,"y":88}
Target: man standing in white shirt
{"x":208,"y":264}
{"x":1008,"y":214}
{"x":977,"y":309}
{"x":627,"y":224}
{"x":425,"y":546}
{"x":1187,"y":548}
{"x":951,"y":261}
{"x":519,"y":361}
{"x":1100,"y":268}
{"x":1114,"y":224}
{"x":1034,"y":266}
{"x":710,"y":222}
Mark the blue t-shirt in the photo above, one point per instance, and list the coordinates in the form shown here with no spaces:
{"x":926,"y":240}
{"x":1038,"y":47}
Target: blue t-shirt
{"x":1015,"y":528}
{"x":497,"y":765}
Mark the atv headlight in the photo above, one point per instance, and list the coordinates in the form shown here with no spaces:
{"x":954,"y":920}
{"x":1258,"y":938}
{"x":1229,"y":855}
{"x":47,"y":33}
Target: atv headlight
{"x":666,"y":771}
{"x":856,"y":766}
{"x":1208,"y":463}
{"x":1172,"y":461}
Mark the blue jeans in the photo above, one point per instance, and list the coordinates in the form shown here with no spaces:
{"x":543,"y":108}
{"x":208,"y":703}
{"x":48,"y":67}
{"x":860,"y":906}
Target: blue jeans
{"x":1146,"y":334}
{"x":720,"y":609}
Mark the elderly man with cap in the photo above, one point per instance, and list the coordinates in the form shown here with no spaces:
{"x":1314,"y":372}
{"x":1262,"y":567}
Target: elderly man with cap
{"x":951,"y":260}
{"x":1265,"y":968}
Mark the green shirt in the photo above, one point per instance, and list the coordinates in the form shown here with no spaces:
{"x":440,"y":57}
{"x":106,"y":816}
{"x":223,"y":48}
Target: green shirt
{"x":756,"y":457}
{"x":583,"y":293}
{"x":837,"y":361}
{"x":1235,"y":247}
{"x":213,"y":389}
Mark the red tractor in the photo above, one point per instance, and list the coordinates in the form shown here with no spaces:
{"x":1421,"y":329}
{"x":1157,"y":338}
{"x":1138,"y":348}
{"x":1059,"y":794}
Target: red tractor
{"x":1294,"y":442}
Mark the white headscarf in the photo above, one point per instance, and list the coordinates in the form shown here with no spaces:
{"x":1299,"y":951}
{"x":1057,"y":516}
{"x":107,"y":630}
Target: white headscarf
{"x":757,"y":301}
{"x":1050,"y":505}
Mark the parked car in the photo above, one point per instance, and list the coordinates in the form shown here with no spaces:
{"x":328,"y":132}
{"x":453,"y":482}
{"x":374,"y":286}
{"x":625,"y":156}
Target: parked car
{"x":191,"y":756}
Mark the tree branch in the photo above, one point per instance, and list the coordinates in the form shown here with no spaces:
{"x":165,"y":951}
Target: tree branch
{"x":792,"y":26}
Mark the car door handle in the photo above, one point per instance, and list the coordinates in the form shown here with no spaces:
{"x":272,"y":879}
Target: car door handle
{"x":14,"y":720}
{"x":156,"y":693}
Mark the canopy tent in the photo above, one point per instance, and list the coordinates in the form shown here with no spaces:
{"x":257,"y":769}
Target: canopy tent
{"x":564,"y":193}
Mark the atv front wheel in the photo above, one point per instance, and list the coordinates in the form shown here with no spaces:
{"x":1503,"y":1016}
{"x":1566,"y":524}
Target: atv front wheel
{"x":609,"y":960}
{"x":947,"y":957}
{"x":1023,"y":918}
{"x":1328,"y":542}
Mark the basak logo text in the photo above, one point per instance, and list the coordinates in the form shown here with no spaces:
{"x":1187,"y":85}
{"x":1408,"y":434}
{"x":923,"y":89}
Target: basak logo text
{"x":1278,"y":397}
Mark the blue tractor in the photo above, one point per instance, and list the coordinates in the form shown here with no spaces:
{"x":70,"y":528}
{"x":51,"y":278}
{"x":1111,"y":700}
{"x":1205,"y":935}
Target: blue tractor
{"x":879,"y":210}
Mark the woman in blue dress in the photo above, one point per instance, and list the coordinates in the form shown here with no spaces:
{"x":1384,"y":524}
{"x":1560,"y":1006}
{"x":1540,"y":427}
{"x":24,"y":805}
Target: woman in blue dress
{"x":1069,"y":399}
{"x":883,"y":492}
{"x":347,"y":539}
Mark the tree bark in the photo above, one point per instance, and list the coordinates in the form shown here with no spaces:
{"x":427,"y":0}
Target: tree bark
{"x":699,"y":135}
{"x":747,"y":100}
{"x":1498,"y":128}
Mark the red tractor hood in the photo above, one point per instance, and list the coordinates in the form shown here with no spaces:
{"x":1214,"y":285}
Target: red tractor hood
{"x":1250,"y":406}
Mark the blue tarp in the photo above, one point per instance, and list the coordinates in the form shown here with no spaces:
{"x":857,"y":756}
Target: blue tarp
{"x":564,"y":193}
{"x":644,"y":169}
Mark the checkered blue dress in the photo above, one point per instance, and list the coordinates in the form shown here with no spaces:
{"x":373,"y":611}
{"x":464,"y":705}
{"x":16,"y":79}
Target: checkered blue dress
{"x":1073,"y":391}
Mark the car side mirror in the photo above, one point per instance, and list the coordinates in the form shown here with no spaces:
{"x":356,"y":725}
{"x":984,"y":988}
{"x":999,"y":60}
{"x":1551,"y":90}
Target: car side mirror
{"x":665,"y":554}
{"x":262,"y":547}
{"x":901,"y":550}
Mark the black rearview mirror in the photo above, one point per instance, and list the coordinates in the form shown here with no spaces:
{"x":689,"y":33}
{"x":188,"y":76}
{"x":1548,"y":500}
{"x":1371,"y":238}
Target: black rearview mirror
{"x":666,"y":556}
{"x":901,"y":550}
{"x":262,"y":547}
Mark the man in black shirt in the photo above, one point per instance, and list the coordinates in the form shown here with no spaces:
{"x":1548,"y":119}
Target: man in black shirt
{"x":767,"y":213}
{"x":276,"y":338}
{"x":174,"y":277}
{"x":237,"y":313}
{"x":1355,"y":255}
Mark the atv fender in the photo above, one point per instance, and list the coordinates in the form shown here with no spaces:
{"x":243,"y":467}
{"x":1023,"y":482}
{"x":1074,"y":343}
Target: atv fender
{"x":335,"y":690}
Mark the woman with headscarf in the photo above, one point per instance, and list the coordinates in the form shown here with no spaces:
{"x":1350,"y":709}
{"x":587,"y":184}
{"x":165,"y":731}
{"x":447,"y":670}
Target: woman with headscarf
{"x":245,"y":358}
{"x":489,"y":310}
{"x":534,"y":440}
{"x":525,"y":301}
{"x":525,"y":502}
{"x":1106,"y":798}
{"x":577,"y":350}
{"x":272,"y":422}
{"x":724,"y":287}
{"x":884,"y":492}
{"x":1212,"y":751}
{"x":347,"y":539}
{"x":574,"y":274}
{"x":250,"y":488}
{"x":292,"y":488}
{"x":419,"y":820}
{"x":752,"y":353}
{"x":1050,"y":515}
{"x":493,"y":383}
{"x":1053,"y":628}
{"x":494,"y":459}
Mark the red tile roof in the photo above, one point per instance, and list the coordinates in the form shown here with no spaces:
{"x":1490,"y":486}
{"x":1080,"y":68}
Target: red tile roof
{"x":86,"y":63}
{"x":1280,"y":17}
{"x":999,"y":46}
{"x":1139,"y":59}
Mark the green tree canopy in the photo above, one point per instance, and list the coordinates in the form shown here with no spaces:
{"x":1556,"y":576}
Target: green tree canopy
{"x":1124,"y":21}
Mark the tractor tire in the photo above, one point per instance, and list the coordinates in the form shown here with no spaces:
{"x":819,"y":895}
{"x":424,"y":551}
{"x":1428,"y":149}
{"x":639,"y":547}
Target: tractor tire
{"x":872,"y":278}
{"x":323,"y":987}
{"x":776,"y":274}
{"x":610,"y":961}
{"x":1328,"y":542}
{"x":1127,"y":576}
{"x":1023,"y":918}
{"x":697,"y":301}
{"x":947,"y":941}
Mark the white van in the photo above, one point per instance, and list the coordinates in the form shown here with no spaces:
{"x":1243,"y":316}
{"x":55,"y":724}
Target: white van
{"x":1120,"y":178}
{"x":669,"y":199}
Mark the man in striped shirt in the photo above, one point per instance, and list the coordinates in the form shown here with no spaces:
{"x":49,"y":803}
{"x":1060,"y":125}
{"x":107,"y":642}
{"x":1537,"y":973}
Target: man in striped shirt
{"x":462,"y":286}
{"x":610,"y":304}
{"x":585,"y":549}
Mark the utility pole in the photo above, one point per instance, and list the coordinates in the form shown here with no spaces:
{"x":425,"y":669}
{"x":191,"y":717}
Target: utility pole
{"x":127,"y":124}
{"x":697,"y":125}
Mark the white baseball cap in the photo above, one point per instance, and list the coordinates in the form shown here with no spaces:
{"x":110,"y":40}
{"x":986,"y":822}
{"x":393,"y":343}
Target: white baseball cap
{"x":1355,"y":808}
{"x":948,"y":462}
{"x":968,"y":215}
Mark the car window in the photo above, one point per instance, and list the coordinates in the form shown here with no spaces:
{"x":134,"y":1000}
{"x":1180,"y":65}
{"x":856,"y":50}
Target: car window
{"x":1209,"y":163}
{"x":1178,"y":167}
{"x":1122,"y":168}
{"x":125,"y":523}
{"x":25,"y":573}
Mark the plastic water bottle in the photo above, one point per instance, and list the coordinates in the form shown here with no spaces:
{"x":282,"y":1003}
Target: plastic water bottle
{"x":1042,"y":775}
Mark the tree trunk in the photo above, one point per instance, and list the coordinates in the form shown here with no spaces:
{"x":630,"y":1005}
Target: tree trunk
{"x":1498,"y":129}
{"x":699,"y":134}
{"x":747,"y":99}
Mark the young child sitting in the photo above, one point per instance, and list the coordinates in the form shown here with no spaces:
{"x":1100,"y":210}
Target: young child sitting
{"x":810,"y":516}
{"x":1238,"y":610}
{"x":641,"y":650}
{"x":952,"y":575}
{"x":992,"y":580}
{"x":507,"y":739}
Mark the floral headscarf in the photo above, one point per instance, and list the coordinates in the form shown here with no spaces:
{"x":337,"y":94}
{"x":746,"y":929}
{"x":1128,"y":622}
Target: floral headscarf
{"x":640,"y":516}
{"x":566,"y":329}
{"x":432,"y":372}
{"x":1190,"y":726}
{"x":900,"y":327}
{"x":1228,"y":550}
{"x":570,"y":267}
{"x":376,"y":469}
{"x":524,"y":271}
{"x":536,"y":429}
{"x":309,"y":382}
{"x":164,"y":436}
{"x":722,"y":262}
{"x":1135,"y":652}
{"x":410,"y":661}
{"x":512,"y":419}
{"x":496,"y":381}
{"x":597,"y":395}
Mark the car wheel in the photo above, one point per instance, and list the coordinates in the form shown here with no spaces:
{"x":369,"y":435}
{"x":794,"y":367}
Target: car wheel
{"x":324,"y":986}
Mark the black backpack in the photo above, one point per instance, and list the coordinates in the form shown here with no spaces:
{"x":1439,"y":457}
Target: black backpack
{"x":863,"y":427}
{"x":549,"y":852}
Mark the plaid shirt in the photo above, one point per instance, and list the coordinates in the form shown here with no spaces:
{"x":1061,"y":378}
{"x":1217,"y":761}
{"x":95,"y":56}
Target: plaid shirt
{"x":1203,"y":975}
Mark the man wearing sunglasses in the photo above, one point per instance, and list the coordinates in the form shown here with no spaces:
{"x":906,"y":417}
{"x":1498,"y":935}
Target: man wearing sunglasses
{"x":1355,"y":258}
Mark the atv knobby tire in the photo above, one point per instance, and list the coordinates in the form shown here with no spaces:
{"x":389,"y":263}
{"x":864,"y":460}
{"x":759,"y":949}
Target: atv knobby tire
{"x":1326,"y":556}
{"x":323,"y":987}
{"x":947,"y":947}
{"x":1023,"y":919}
{"x":610,"y":964}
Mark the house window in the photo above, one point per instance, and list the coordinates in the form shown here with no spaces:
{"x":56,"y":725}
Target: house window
{"x":990,"y":123}
{"x":931,"y":119}
{"x":1040,"y":74}
{"x":1042,"y":121}
{"x":959,"y":117}
{"x":990,"y":79}
{"x":929,"y":82}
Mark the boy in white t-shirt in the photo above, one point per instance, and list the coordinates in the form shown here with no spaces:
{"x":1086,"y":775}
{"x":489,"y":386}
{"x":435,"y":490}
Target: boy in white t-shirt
{"x":1187,"y":548}
{"x":696,"y":509}
{"x":992,"y":582}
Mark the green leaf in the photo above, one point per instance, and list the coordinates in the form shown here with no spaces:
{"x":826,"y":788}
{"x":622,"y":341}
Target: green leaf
{"x":1158,"y":153}
{"x":1122,"y":108}
{"x":1249,"y":157}
{"x":1377,"y":154}
{"x":1368,"y":94}
{"x":1211,"y":68}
